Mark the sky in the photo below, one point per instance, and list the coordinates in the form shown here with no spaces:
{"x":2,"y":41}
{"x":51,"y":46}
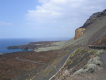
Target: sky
{"x":45,"y":18}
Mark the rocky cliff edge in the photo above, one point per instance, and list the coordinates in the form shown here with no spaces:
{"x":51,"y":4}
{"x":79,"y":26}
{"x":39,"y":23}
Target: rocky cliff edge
{"x":91,"y":20}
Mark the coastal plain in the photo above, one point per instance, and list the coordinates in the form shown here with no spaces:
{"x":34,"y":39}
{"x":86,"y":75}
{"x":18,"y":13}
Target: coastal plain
{"x":12,"y":68}
{"x":80,"y":63}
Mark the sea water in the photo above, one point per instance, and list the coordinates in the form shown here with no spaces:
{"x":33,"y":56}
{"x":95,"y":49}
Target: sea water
{"x":22,"y":41}
{"x":13,"y":42}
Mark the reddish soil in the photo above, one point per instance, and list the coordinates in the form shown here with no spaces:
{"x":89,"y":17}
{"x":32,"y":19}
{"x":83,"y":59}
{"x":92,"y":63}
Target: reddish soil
{"x":10,"y":67}
{"x":101,"y":41}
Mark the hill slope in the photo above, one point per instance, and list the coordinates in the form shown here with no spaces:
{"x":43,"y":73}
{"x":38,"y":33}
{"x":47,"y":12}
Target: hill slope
{"x":92,"y":30}
{"x":85,"y":63}
{"x":95,"y":28}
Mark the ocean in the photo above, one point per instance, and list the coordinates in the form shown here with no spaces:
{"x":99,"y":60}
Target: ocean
{"x":21,"y":41}
{"x":13,"y":42}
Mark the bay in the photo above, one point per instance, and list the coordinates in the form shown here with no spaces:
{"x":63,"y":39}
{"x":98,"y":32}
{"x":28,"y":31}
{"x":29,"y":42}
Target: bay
{"x":14,"y":42}
{"x":22,"y":41}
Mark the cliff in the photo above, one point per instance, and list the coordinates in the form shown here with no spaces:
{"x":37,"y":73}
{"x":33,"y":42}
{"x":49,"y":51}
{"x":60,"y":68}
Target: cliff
{"x":80,"y":61}
{"x":85,"y":63}
{"x":79,"y":32}
{"x":92,"y":20}
{"x":92,"y":32}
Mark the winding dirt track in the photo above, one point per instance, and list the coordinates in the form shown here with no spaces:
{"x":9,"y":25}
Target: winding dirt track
{"x":28,"y":60}
{"x":58,"y":67}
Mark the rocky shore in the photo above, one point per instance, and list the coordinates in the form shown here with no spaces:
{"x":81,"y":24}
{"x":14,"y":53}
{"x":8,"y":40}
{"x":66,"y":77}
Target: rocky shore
{"x":33,"y":45}
{"x":82,"y":64}
{"x":16,"y":65}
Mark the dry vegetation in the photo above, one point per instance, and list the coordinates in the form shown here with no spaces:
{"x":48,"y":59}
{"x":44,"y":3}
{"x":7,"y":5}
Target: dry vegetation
{"x":77,"y":60}
{"x":101,"y":41}
{"x":10,"y":67}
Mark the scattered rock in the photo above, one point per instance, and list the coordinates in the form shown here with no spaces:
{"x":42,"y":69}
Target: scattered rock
{"x":95,"y":60}
{"x":66,"y":72}
{"x":87,"y":68}
{"x":99,"y":52}
{"x":90,"y":66}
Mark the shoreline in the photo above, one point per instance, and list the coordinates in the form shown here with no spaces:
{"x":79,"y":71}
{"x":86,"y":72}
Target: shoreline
{"x":40,"y":46}
{"x":30,"y":46}
{"x":25,"y":62}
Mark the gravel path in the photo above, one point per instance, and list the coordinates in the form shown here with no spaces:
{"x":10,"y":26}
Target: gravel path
{"x":28,"y":60}
{"x":60,"y":64}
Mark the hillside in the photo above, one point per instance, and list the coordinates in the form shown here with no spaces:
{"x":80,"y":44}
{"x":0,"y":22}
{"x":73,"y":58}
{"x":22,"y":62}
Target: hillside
{"x":85,"y":63}
{"x":61,"y":60}
{"x":94,"y":29}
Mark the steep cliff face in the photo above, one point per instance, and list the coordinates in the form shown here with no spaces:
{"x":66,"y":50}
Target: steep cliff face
{"x":78,"y":32}
{"x":93,"y":18}
{"x":90,"y":21}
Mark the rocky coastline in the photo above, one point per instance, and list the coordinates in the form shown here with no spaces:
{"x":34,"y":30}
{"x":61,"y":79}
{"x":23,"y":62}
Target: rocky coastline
{"x":33,"y":45}
{"x":84,"y":63}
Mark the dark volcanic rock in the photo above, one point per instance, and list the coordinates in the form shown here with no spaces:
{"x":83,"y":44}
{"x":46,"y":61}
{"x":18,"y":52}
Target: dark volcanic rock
{"x":33,"y":45}
{"x":93,"y":18}
{"x":80,"y":31}
{"x":24,"y":47}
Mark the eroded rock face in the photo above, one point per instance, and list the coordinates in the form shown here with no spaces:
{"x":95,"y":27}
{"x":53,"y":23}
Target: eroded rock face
{"x":78,"y":32}
{"x":91,"y":20}
{"x":93,"y":17}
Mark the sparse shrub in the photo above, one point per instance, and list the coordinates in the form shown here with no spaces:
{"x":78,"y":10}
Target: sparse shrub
{"x":99,"y":52}
{"x":91,"y":51}
{"x":95,"y":60}
{"x":91,"y":65}
{"x":87,"y":68}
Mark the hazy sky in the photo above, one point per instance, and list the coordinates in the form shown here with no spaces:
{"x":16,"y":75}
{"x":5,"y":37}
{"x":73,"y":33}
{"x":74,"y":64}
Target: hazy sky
{"x":45,"y":18}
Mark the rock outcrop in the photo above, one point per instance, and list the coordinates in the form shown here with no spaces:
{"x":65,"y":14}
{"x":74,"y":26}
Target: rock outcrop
{"x":90,"y":21}
{"x":93,"y":17}
{"x":78,"y":32}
